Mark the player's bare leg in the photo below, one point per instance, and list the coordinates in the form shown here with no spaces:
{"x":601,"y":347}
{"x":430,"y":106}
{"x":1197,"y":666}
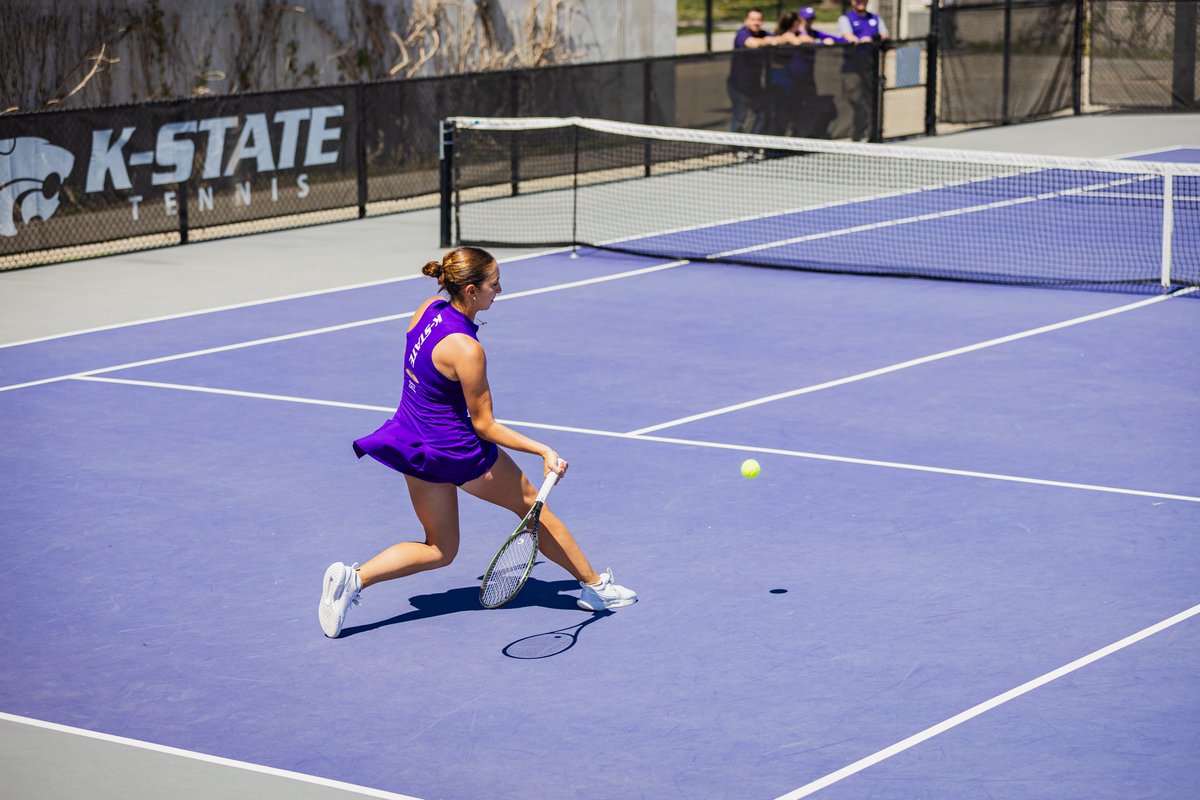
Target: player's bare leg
{"x":436,"y":505}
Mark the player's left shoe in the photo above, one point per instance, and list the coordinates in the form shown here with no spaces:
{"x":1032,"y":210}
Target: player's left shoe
{"x":340,"y":589}
{"x":605,"y":594}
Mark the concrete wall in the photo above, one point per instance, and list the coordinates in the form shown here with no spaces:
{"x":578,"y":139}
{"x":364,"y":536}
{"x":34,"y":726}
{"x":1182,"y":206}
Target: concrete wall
{"x":86,"y":53}
{"x":620,"y":29}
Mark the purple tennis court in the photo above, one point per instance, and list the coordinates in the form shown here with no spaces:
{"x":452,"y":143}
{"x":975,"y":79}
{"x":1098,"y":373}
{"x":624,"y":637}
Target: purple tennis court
{"x":967,"y":569}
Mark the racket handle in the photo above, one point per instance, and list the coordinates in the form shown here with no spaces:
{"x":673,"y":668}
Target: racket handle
{"x":547,"y":485}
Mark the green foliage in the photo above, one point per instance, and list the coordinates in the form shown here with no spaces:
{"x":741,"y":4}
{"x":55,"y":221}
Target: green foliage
{"x":725,"y":13}
{"x":689,"y":14}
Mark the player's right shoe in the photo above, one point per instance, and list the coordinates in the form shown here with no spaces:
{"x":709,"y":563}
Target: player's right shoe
{"x":339,"y":590}
{"x":605,"y":594}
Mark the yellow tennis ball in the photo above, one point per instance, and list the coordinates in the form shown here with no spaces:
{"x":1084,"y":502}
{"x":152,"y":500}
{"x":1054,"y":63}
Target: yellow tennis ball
{"x":750,"y":468}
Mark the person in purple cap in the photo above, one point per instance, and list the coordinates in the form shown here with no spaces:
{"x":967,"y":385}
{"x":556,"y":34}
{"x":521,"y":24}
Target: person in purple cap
{"x":806,"y":29}
{"x":444,"y":437}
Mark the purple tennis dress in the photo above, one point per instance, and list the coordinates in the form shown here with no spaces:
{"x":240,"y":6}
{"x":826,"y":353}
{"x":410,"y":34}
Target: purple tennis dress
{"x":430,"y":436}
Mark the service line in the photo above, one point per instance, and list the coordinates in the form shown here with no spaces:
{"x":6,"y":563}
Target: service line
{"x":742,"y":448}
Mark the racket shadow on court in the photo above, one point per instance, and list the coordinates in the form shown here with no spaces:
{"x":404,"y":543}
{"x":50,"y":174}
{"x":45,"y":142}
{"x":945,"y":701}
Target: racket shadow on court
{"x":550,"y":643}
{"x":544,"y":594}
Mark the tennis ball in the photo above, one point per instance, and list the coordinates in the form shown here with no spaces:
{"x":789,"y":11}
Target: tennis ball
{"x":750,"y":468}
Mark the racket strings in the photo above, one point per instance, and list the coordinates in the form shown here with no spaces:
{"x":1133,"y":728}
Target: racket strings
{"x":509,"y":569}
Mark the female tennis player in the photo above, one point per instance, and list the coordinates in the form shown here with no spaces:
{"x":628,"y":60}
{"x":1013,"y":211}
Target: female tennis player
{"x":444,"y":436}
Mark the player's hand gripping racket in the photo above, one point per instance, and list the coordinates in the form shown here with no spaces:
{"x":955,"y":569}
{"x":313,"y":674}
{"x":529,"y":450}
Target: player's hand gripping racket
{"x":510,"y":568}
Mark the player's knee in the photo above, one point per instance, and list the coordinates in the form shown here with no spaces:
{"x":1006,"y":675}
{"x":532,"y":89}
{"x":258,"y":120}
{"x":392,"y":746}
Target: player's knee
{"x":438,"y":555}
{"x":442,"y":557}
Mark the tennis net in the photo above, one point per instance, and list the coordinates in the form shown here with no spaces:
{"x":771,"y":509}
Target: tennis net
{"x":818,"y":205}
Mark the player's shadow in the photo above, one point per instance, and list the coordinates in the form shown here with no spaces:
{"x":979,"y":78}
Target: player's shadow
{"x":545,"y":594}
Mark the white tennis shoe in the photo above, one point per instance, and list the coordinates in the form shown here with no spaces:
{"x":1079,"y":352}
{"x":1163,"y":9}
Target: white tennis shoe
{"x":605,"y":594}
{"x":340,"y":589}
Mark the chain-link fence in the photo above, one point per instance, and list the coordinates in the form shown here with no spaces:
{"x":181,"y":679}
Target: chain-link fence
{"x":1143,"y":55}
{"x":1006,"y":61}
{"x":81,"y":183}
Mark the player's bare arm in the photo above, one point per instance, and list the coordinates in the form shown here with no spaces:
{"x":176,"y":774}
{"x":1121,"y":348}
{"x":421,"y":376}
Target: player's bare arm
{"x":466,"y":362}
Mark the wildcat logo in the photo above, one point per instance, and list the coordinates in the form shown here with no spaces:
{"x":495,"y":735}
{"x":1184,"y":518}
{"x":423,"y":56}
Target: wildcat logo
{"x":31,"y":173}
{"x":230,"y":160}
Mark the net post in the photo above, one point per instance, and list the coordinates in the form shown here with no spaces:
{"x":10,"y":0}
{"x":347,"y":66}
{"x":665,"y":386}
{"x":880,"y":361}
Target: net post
{"x":708,"y":25}
{"x":1077,"y":67}
{"x":876,"y":132}
{"x":1168,"y":228}
{"x":931,"y":72}
{"x":360,"y":147}
{"x":1006,"y":63}
{"x":575,"y":192}
{"x":647,"y":111}
{"x":181,"y":190}
{"x":514,"y":149}
{"x":446,"y":177}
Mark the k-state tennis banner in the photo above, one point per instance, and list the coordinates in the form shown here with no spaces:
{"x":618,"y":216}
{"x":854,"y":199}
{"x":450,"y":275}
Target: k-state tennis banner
{"x":78,"y":177}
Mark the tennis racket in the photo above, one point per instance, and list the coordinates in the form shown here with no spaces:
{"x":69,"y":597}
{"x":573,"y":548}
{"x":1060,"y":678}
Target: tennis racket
{"x":510,"y":568}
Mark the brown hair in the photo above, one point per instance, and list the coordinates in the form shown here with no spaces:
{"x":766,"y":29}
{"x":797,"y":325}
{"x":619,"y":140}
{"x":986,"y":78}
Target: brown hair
{"x":460,"y":268}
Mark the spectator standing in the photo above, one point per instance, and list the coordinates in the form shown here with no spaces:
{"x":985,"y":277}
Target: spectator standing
{"x":745,"y":84}
{"x":865,"y":30}
{"x":781,"y":89}
{"x":810,"y":117}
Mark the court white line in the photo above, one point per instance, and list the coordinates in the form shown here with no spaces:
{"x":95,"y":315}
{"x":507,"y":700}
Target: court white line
{"x":868,"y":462}
{"x":952,"y":212}
{"x":333,"y":328}
{"x":364,"y":791}
{"x":987,"y":705}
{"x":251,"y":303}
{"x":181,"y":387}
{"x":214,"y":310}
{"x":210,"y":350}
{"x":912,"y":362}
{"x":1154,"y":151}
{"x":741,"y":448}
